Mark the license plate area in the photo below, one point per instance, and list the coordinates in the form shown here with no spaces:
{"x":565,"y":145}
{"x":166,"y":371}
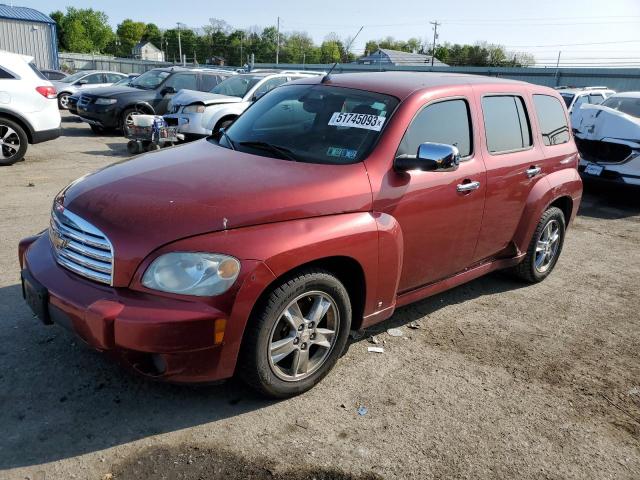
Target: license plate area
{"x":593,"y":169}
{"x":36,"y":296}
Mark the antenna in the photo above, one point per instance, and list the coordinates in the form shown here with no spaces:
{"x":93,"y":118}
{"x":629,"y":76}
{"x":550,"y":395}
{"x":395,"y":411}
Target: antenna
{"x":326,"y":77}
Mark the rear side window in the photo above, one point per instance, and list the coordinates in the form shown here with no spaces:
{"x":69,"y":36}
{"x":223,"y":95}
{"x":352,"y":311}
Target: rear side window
{"x":179,"y":81}
{"x":445,"y":122}
{"x":4,"y":74}
{"x":553,"y":123}
{"x":596,"y":98}
{"x":506,"y":124}
{"x":36,"y":71}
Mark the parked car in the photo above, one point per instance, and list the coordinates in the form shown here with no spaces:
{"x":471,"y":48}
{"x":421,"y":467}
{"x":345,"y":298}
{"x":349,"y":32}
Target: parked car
{"x":28,"y":109}
{"x":608,"y":139}
{"x":54,"y":74}
{"x":72,"y":101}
{"x":83,"y":80}
{"x":149,"y":93}
{"x":324,"y":207}
{"x":574,"y":98}
{"x":197,"y":114}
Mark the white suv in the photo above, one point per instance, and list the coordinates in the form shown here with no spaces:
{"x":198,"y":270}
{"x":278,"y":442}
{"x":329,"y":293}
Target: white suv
{"x":28,"y":107}
{"x":576,"y":97}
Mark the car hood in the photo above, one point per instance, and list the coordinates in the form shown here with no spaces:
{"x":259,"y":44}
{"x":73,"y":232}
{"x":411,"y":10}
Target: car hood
{"x":161,"y":197}
{"x":187,"y":97}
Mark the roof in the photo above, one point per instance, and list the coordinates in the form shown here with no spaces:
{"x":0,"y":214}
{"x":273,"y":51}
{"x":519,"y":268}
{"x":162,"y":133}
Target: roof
{"x":576,"y":90}
{"x":397,"y":57}
{"x":24,"y":13}
{"x":627,"y":95}
{"x":403,"y":84}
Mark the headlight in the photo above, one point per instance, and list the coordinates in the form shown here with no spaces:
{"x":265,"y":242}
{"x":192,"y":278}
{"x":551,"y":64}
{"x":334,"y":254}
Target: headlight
{"x":192,"y":273}
{"x":193,"y":109}
{"x":106,"y":101}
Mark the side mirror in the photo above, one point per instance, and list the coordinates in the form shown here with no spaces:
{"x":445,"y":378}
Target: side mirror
{"x":168,"y":91}
{"x":431,"y":157}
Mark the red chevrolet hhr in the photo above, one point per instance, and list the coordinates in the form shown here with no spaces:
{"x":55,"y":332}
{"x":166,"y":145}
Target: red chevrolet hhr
{"x":328,"y":204}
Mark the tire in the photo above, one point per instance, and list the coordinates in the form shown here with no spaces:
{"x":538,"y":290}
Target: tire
{"x":63,"y":101}
{"x":321,"y":343}
{"x":97,"y":129}
{"x":124,"y":116}
{"x":152,"y":147}
{"x":133,"y":147}
{"x":532,"y":269}
{"x":14,"y":142}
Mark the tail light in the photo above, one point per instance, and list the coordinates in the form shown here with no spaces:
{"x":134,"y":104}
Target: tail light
{"x":47,"y":92}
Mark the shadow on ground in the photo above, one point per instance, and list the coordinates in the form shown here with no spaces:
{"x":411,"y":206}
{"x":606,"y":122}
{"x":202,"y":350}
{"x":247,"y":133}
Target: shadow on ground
{"x":60,"y":399}
{"x":609,"y":202}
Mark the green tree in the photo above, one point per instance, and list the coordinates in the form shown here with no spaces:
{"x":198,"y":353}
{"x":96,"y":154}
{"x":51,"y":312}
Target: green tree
{"x":152,"y":34}
{"x":129,"y":34}
{"x":82,"y":30}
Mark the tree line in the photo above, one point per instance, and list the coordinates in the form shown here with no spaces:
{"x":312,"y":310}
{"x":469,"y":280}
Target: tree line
{"x":88,"y":31}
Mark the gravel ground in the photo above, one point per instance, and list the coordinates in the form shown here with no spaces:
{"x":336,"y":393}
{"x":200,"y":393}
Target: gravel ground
{"x":501,"y":380}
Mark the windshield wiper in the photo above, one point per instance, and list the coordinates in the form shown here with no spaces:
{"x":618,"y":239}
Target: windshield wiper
{"x":283,"y":152}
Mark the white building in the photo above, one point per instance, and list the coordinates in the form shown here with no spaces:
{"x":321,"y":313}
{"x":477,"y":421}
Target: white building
{"x":148,"y":51}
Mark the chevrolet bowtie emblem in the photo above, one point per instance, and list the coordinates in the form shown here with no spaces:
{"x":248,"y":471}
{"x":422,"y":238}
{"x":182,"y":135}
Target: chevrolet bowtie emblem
{"x":58,"y":242}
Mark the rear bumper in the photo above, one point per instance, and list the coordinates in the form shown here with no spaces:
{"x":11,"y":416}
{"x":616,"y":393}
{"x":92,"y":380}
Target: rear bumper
{"x":46,"y":135}
{"x":157,"y":336}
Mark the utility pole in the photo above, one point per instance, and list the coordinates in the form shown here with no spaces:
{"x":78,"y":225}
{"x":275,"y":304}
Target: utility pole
{"x":179,"y":42}
{"x":278,"y":43}
{"x":558,"y":69}
{"x":435,"y":37}
{"x":241,"y":57}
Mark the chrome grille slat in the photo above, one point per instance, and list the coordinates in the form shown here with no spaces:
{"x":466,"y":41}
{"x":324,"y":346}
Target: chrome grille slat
{"x":93,"y":242}
{"x":80,"y":247}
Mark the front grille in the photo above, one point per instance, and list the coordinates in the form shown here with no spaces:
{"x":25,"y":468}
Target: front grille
{"x":84,"y":101}
{"x":80,"y":247}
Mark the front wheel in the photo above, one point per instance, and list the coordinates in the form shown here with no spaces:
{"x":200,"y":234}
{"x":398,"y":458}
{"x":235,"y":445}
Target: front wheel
{"x":63,"y":101}
{"x":296,"y":335}
{"x":545,"y":247}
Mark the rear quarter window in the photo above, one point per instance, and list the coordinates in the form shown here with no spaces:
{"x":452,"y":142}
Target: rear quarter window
{"x":5,"y":75}
{"x":506,"y":123}
{"x":552,"y":121}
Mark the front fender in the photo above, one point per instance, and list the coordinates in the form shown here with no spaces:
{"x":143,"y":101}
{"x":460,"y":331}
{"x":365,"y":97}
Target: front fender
{"x":211,"y":119}
{"x":561,"y":183}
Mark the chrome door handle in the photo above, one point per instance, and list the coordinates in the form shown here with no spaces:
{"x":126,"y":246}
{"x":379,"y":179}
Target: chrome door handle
{"x":467,"y":187}
{"x":533,"y":171}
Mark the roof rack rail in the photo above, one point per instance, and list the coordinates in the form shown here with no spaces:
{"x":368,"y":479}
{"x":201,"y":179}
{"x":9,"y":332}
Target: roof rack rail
{"x":308,"y":72}
{"x":598,"y":87}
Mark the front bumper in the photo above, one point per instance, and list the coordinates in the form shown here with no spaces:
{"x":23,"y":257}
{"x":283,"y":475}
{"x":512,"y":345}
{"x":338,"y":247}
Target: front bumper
{"x":627,"y":173}
{"x":160,"y":337}
{"x":188,"y":123}
{"x":100,"y":115}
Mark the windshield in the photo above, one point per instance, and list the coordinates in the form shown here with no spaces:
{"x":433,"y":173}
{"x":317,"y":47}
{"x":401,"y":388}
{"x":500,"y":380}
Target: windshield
{"x":74,"y":77}
{"x":236,"y":86}
{"x":628,"y":105}
{"x":150,"y":80}
{"x":312,"y":123}
{"x":568,"y":97}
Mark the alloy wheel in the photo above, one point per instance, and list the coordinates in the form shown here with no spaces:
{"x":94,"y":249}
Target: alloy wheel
{"x":547,"y":246}
{"x":64,"y":101}
{"x":9,"y":141}
{"x":303,"y":336}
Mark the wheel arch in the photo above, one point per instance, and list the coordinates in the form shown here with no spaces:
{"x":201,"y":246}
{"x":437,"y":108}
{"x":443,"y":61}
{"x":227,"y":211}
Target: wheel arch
{"x":26,"y":126}
{"x":228,"y":116}
{"x":346,"y":269}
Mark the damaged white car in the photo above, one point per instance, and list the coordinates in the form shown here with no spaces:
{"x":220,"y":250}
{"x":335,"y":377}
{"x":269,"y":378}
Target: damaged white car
{"x":608,"y":139}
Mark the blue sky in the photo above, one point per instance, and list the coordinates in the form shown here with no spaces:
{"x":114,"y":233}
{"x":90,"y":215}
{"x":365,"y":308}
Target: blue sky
{"x":542,"y":27}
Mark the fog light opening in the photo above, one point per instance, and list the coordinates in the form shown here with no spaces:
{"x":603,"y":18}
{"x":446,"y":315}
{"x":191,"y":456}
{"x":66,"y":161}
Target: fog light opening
{"x":153,"y":365}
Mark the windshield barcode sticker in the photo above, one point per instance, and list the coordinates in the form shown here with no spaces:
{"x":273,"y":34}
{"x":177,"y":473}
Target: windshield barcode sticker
{"x":357,"y":120}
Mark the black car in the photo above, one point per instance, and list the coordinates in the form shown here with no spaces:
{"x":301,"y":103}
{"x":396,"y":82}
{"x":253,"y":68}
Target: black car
{"x":110,"y":107}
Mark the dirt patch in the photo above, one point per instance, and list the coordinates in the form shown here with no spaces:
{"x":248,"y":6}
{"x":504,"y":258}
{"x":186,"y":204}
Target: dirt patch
{"x":196,"y":463}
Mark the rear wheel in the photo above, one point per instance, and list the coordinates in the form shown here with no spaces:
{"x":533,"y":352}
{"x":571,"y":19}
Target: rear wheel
{"x":13,"y":142}
{"x":296,"y":335}
{"x":545,"y":247}
{"x":63,"y":101}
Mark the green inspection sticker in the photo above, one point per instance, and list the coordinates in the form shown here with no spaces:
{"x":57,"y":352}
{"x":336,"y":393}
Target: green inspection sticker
{"x":342,"y":153}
